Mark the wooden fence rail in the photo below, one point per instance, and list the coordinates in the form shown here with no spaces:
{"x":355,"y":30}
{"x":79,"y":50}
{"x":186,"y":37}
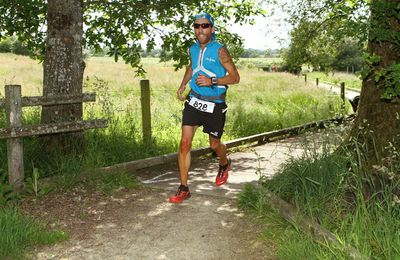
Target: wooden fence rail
{"x":53,"y":100}
{"x":14,"y":132}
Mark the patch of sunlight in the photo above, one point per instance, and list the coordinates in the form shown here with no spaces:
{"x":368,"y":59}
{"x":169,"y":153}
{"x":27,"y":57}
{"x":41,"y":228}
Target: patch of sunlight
{"x":226,"y":224}
{"x":230,"y":191}
{"x":201,"y":178}
{"x":227,"y":207}
{"x":204,"y":186}
{"x":160,"y":209}
{"x":160,"y":178}
{"x":207,"y":203}
{"x":107,"y":225}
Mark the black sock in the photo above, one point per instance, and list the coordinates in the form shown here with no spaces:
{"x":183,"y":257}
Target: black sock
{"x":184,"y":188}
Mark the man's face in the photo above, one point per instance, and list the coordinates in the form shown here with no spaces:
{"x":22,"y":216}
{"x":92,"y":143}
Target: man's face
{"x":203,"y":35}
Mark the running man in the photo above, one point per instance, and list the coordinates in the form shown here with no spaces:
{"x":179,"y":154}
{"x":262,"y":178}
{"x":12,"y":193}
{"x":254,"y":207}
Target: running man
{"x":210,"y":70}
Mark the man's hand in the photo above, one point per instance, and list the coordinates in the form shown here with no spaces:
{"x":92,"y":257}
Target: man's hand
{"x":181,"y":89}
{"x":203,"y":80}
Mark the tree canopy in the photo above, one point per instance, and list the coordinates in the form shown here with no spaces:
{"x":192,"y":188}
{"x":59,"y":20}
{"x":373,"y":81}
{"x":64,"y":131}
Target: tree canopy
{"x":323,"y":29}
{"x":123,"y":26}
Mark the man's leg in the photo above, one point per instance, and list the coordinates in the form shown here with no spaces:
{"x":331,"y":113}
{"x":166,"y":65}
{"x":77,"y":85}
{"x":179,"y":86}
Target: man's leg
{"x":184,"y":152}
{"x":219,"y":148}
{"x":224,"y":161}
{"x":184,"y":164}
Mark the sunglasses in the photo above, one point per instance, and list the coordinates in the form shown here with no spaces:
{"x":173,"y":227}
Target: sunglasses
{"x":202,"y":25}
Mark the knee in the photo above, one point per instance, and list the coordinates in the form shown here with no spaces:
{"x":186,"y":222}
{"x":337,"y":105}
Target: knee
{"x":185,"y":144}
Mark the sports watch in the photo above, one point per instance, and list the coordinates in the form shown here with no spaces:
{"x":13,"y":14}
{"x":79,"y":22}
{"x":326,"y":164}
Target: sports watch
{"x":214,"y":81}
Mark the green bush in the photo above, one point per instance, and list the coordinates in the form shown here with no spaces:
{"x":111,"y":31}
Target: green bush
{"x":6,"y":45}
{"x":12,"y":44}
{"x":19,"y":48}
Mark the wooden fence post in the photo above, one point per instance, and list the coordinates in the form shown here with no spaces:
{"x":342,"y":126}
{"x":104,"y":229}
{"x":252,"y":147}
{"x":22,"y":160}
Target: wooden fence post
{"x":342,"y":91}
{"x":13,"y":108}
{"x":146,"y":114}
{"x":317,"y":81}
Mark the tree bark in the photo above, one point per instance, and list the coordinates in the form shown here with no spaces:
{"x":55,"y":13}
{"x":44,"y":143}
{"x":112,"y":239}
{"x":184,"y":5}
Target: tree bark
{"x":63,"y":67}
{"x":377,"y":123}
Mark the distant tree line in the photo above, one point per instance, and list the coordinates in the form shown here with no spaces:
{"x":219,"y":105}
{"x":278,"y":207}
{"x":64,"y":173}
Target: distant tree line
{"x":341,"y":56}
{"x":257,"y":53}
{"x":157,"y":53}
{"x":346,"y":55}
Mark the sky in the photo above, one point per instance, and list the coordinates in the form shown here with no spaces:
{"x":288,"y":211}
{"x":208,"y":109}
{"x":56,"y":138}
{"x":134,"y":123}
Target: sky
{"x":266,"y":33}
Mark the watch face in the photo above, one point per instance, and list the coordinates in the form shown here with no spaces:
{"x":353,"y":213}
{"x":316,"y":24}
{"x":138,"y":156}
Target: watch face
{"x":214,"y":81}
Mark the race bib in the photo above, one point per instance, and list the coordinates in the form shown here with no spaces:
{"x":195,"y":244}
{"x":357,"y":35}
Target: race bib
{"x":202,"y":105}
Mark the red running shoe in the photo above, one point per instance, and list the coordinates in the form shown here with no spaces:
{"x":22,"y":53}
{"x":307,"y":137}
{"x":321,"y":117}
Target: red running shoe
{"x":222,"y":175}
{"x":180,"y":195}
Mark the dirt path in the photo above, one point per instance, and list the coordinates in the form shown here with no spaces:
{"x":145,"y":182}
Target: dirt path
{"x":142,"y":224}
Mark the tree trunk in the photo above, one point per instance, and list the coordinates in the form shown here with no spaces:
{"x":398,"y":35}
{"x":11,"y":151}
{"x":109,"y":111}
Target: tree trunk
{"x":63,"y":67}
{"x":377,"y":124}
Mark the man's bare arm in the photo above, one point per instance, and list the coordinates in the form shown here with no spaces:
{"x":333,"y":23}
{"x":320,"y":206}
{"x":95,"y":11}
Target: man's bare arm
{"x":231,"y":78}
{"x":226,"y":61}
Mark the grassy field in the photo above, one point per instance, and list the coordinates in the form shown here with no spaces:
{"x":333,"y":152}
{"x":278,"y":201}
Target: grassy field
{"x":261,"y":102}
{"x":251,"y":63}
{"x":351,"y":81}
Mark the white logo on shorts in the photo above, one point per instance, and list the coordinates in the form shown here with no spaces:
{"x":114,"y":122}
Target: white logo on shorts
{"x":214,"y":133}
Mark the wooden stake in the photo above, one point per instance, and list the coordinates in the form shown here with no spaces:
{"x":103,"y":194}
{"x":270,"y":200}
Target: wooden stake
{"x":342,"y":91}
{"x":146,"y":114}
{"x":14,"y":145}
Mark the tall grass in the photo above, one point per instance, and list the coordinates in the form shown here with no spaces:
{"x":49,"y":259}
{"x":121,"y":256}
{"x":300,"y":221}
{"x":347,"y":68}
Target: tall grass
{"x":336,"y":191}
{"x":19,"y":233}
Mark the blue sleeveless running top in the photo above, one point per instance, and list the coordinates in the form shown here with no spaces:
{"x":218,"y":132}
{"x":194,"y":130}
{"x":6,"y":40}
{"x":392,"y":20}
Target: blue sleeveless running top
{"x":206,"y":62}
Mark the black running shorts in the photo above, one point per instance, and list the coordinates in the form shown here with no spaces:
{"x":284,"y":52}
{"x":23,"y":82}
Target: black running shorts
{"x":213,"y":123}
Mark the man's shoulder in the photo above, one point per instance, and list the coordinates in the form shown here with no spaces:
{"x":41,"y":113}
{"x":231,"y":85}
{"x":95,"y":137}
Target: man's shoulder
{"x":194,"y":44}
{"x":218,"y":44}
